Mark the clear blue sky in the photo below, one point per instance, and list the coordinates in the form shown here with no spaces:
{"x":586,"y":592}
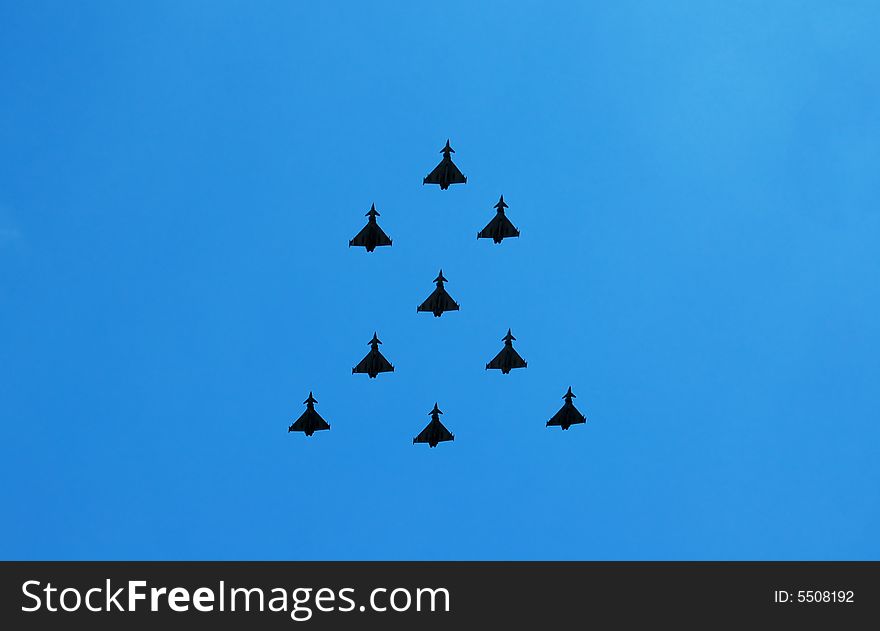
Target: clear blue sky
{"x":698,"y":193}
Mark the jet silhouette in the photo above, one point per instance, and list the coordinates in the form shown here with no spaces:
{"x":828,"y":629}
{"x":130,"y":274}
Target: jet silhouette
{"x":500,"y":226}
{"x":434,"y":432}
{"x":439,"y":301}
{"x":508,"y":358}
{"x":446,"y":172}
{"x":371,"y":236}
{"x":374,"y":362}
{"x":310,"y":421}
{"x":568,"y":415}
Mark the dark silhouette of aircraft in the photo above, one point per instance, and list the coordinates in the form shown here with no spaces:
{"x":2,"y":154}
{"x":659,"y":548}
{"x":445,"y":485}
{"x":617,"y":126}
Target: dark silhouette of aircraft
{"x":568,"y":415}
{"x":371,"y":236}
{"x":439,"y":301}
{"x":446,"y":172}
{"x":310,"y":421}
{"x":374,"y":362}
{"x":434,"y":432}
{"x":508,"y":358}
{"x":500,"y":226}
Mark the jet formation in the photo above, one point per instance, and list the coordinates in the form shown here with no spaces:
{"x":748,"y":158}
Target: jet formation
{"x":439,"y":302}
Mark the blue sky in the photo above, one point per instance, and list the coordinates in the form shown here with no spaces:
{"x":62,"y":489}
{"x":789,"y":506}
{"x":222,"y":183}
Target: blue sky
{"x":697,"y":190}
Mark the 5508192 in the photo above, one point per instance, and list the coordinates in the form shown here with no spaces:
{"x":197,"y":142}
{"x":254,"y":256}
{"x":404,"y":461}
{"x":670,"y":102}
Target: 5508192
{"x":825,"y":596}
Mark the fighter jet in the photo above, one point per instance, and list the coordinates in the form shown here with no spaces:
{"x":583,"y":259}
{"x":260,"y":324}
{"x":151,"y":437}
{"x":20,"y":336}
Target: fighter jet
{"x":508,"y":358}
{"x":568,"y":415}
{"x":372,"y":235}
{"x":434,"y":432}
{"x":310,"y":421}
{"x":446,"y":172}
{"x":374,"y":362}
{"x":500,"y":225}
{"x":439,"y":301}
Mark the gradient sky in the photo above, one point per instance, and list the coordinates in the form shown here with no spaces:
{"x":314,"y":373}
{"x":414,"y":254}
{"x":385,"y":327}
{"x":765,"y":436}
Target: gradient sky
{"x":697,"y":190}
